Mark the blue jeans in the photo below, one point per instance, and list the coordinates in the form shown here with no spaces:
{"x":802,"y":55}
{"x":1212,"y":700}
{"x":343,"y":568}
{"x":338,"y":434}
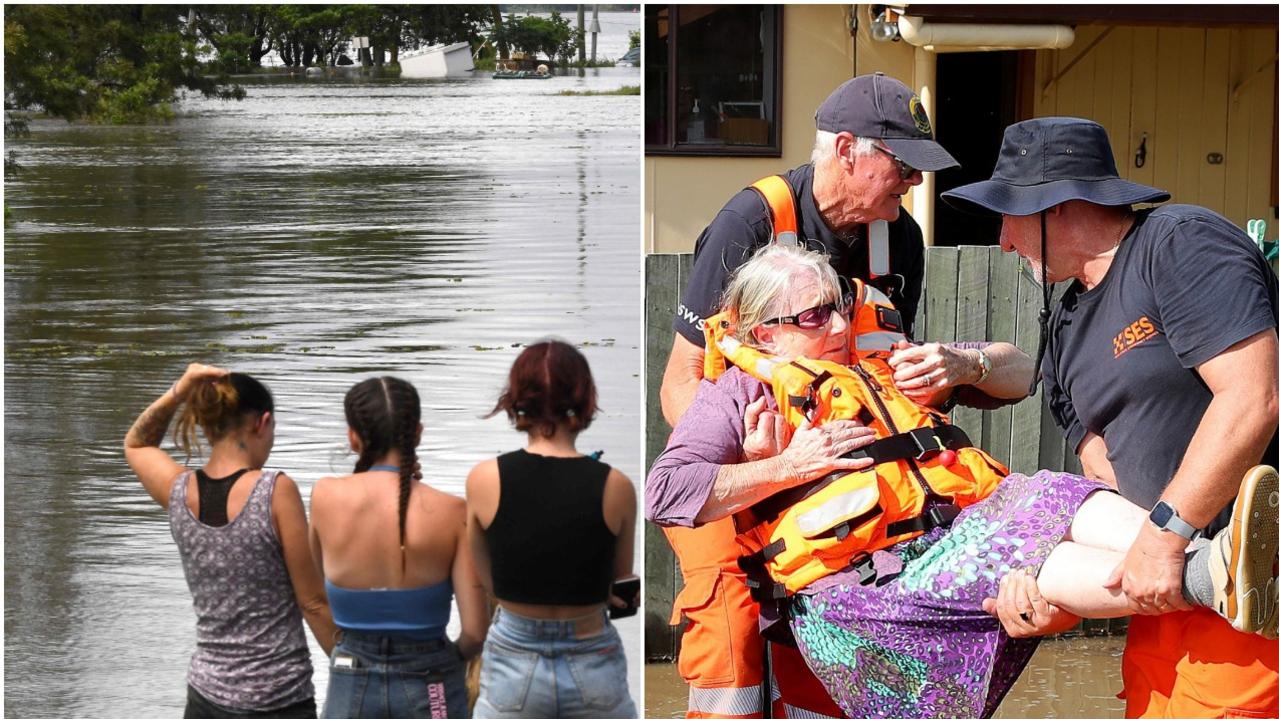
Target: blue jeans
{"x":536,"y":668}
{"x":384,"y":676}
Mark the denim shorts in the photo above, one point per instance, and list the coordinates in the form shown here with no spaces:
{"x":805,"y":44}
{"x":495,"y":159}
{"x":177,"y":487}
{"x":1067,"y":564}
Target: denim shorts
{"x":536,"y":668}
{"x":380,"y":675}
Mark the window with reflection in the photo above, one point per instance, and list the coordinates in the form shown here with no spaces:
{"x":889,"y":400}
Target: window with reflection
{"x":711,"y":79}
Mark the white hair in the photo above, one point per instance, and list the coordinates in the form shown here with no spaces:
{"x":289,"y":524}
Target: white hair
{"x":764,"y":286}
{"x":824,"y":147}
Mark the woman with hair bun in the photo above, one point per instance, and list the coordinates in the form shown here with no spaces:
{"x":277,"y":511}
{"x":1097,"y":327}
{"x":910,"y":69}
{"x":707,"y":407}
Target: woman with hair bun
{"x":552,"y":530}
{"x":235,"y":521}
{"x":393,"y":552}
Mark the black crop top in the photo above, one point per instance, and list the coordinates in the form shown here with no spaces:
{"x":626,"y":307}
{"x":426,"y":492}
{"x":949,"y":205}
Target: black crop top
{"x":548,"y":543}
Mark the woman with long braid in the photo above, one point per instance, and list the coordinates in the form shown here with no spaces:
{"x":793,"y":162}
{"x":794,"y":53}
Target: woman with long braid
{"x":393,"y":552}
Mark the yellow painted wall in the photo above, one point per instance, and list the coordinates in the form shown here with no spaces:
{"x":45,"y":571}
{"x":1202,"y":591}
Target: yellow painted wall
{"x":1191,"y":92}
{"x":682,"y":194}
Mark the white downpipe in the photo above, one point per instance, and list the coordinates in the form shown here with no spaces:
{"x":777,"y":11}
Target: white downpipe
{"x":924,"y":199}
{"x":967,"y":37}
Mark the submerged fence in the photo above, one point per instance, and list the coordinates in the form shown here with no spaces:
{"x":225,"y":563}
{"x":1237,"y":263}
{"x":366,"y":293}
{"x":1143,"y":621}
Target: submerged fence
{"x":970,"y":293}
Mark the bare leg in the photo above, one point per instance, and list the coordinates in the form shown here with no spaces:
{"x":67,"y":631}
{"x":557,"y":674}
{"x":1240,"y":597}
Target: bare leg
{"x":1072,"y":579}
{"x":1106,"y":521}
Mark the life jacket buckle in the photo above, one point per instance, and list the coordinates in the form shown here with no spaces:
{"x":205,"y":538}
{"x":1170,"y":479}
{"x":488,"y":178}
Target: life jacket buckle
{"x":925,"y":453}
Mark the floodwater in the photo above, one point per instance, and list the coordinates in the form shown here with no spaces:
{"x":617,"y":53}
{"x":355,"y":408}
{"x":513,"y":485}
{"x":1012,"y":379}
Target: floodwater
{"x":1077,"y":677}
{"x":314,"y":234}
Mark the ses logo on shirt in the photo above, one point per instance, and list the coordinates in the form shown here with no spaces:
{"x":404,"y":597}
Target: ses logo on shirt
{"x":1133,"y":335}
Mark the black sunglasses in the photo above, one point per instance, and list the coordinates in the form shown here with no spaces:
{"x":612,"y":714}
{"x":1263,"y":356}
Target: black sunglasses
{"x":813,"y":318}
{"x":904,"y":170}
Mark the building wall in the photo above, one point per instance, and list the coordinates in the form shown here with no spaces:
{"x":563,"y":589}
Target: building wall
{"x":1192,"y":91}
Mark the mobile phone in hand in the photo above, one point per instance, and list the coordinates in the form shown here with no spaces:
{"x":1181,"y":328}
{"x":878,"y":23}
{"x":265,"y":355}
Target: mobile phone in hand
{"x":628,"y":591}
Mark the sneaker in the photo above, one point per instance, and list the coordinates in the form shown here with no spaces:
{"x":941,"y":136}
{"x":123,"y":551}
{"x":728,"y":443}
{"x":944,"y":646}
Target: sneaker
{"x":1242,"y":556}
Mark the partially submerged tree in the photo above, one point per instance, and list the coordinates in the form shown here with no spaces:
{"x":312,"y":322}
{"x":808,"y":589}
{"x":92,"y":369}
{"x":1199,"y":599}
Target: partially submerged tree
{"x":105,"y":63}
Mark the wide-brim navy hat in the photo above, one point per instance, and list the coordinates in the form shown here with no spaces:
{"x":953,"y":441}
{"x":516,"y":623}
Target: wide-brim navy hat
{"x":880,"y":107}
{"x":1047,"y":161}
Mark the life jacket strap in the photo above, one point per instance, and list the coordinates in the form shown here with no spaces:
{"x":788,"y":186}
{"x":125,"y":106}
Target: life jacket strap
{"x":939,"y":515}
{"x":918,"y":444}
{"x":780,"y":200}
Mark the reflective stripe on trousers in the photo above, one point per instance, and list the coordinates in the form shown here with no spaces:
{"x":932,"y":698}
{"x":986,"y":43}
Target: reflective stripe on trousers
{"x":726,"y":701}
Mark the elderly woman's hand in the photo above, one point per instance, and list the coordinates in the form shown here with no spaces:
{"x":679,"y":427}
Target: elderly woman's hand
{"x":924,"y":371}
{"x":815,"y":452}
{"x":766,"y":432}
{"x":1023,"y":610}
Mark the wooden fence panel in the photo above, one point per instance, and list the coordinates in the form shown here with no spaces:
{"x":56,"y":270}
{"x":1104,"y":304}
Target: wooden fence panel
{"x":665,"y":279}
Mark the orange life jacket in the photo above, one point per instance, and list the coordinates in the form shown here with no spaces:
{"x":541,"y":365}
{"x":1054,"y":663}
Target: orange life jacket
{"x":801,"y":535}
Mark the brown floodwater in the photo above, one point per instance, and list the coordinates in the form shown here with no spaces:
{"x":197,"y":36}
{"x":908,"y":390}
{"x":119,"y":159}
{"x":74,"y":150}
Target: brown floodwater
{"x":1077,"y":677}
{"x":315,"y":234}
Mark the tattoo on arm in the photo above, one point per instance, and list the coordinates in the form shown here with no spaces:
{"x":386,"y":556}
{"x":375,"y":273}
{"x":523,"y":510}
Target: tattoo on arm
{"x":149,"y":428}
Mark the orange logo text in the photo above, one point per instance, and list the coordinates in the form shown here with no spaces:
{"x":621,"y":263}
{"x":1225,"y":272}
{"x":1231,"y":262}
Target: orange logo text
{"x":1134,"y":334}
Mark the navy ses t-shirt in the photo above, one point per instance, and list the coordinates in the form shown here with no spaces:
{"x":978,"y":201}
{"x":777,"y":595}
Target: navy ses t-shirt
{"x":744,"y":225}
{"x":1185,"y":285}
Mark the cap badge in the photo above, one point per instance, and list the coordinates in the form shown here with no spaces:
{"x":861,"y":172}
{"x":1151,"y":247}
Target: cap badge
{"x":919,"y":116}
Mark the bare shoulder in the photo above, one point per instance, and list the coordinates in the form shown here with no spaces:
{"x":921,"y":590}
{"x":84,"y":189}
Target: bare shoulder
{"x":483,"y":476}
{"x":285,"y":494}
{"x":619,"y":492}
{"x":618,"y":483}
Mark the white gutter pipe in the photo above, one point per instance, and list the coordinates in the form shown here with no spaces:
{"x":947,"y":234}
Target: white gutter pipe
{"x":967,"y":37}
{"x":932,"y":38}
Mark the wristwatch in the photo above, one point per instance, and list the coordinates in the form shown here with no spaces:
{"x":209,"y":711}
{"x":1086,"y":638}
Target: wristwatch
{"x":1166,"y":519}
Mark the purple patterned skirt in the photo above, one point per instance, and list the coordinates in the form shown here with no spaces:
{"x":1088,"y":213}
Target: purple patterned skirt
{"x":920,"y":645}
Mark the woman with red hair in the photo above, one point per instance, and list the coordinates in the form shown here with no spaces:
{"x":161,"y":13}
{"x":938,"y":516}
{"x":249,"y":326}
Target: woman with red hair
{"x":551,"y":529}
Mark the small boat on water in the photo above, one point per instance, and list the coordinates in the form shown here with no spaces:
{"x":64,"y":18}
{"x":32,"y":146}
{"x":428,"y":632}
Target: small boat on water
{"x":521,"y":75}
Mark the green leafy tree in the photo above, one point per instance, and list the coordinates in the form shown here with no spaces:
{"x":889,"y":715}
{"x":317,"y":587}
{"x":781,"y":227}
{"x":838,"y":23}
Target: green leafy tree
{"x":240,"y":34}
{"x":105,"y":63}
{"x":553,"y":37}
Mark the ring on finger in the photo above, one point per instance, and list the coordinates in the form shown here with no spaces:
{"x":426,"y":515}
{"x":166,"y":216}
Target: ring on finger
{"x":928,"y":380}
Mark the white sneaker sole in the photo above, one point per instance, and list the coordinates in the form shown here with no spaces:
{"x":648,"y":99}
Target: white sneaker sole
{"x":1254,"y":528}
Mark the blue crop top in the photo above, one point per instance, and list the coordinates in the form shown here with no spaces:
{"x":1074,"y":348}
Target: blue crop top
{"x":417,"y":613}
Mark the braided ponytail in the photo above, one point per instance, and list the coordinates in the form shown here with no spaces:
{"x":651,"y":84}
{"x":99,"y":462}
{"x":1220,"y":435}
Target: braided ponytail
{"x":385,"y":413}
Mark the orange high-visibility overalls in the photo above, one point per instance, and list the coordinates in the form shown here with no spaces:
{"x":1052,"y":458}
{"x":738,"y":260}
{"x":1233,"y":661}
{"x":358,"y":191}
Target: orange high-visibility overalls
{"x":721,"y":653}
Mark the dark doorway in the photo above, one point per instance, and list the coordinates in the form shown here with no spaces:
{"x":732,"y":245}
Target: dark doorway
{"x":976,"y":100}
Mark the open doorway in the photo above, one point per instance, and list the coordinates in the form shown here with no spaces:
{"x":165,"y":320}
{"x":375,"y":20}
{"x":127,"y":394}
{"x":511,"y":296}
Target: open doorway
{"x":977,"y":97}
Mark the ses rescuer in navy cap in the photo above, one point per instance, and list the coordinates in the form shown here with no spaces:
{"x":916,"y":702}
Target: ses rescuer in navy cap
{"x":880,"y":107}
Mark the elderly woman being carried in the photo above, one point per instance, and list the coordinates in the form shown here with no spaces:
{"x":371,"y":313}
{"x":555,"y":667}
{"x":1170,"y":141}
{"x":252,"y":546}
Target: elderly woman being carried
{"x":872,"y":524}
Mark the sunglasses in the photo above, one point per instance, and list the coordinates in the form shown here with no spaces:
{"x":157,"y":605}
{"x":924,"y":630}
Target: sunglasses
{"x":813,"y":318}
{"x":903,"y":170}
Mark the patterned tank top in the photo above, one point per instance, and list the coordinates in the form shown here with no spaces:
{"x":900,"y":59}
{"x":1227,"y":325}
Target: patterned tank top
{"x":250,"y":651}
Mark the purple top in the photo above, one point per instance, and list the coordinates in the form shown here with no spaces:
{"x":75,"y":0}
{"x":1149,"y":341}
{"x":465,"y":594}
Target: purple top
{"x":711,"y":434}
{"x":250,"y":652}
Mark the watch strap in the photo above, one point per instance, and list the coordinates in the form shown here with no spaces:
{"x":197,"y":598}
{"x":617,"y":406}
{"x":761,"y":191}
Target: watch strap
{"x":1177,"y":525}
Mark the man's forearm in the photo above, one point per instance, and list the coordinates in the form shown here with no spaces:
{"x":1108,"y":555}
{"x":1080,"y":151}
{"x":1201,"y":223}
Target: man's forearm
{"x":1231,"y":439}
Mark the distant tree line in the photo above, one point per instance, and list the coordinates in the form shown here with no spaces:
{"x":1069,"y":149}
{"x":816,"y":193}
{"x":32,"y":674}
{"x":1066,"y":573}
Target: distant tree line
{"x":127,"y":63}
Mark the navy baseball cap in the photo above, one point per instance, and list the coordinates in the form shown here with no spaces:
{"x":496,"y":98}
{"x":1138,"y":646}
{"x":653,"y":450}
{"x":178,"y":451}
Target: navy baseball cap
{"x":1047,"y":161}
{"x":878,"y":106}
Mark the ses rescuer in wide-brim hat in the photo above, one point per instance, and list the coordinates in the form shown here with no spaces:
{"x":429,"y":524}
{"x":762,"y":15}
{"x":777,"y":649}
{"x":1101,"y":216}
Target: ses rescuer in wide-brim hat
{"x":1162,"y":369}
